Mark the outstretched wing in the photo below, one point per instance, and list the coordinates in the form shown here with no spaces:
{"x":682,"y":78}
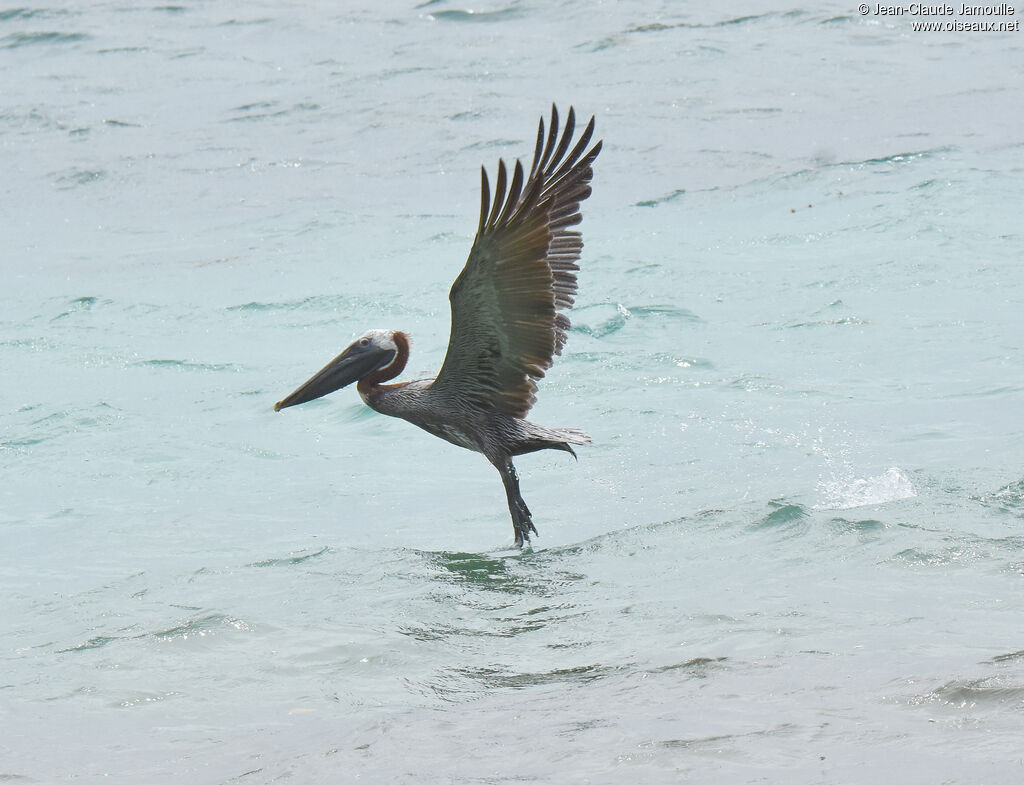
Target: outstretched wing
{"x":506,"y":325}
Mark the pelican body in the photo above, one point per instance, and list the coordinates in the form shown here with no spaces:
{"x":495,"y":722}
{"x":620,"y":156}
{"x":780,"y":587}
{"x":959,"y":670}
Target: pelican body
{"x":507,"y":321}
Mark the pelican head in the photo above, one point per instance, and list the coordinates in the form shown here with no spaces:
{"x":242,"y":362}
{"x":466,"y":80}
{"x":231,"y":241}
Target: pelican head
{"x":372,"y":351}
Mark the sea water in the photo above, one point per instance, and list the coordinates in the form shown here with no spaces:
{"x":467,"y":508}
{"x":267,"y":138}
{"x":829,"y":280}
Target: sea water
{"x":795,"y":551}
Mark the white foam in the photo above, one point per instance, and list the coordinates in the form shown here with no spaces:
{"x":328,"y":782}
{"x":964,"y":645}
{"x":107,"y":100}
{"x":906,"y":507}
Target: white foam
{"x":847,"y":493}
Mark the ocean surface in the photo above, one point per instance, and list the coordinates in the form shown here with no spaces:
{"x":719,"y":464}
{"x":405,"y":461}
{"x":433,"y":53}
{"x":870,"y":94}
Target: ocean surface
{"x":794,"y":553}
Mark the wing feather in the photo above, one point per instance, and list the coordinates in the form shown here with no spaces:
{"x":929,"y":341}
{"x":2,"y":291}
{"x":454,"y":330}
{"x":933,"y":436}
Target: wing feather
{"x":521,"y":272}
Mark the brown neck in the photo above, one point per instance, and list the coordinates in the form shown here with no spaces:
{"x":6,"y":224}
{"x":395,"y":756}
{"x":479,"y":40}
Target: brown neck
{"x":389,"y":371}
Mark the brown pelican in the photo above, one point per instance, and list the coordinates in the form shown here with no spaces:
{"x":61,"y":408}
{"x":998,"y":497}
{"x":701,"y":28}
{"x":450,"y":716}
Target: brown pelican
{"x":506,"y":321}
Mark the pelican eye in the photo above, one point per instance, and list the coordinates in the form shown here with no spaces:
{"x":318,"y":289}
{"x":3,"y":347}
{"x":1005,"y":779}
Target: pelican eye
{"x":364,"y":342}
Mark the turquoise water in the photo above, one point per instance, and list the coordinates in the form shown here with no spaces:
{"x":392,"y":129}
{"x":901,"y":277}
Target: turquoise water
{"x":795,"y":552}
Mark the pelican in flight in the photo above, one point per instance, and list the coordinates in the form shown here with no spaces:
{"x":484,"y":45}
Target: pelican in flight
{"x":507,"y":320}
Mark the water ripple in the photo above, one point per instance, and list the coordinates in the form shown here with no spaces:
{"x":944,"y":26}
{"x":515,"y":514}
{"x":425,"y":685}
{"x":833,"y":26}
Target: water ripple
{"x":785,"y":516}
{"x":654,"y":28}
{"x":896,"y":159}
{"x":671,"y":197}
{"x":500,"y":678}
{"x":612,"y":317}
{"x":698,"y":667}
{"x":74,"y":177}
{"x":93,"y":643}
{"x":458,"y":15}
{"x":1009,"y":499}
{"x":992,"y":691}
{"x":291,"y":560}
{"x":77,"y":305}
{"x":56,"y":424}
{"x":248,"y":114}
{"x":21,"y":13}
{"x":321,"y":302}
{"x":1009,"y":657}
{"x":186,"y":365}
{"x":200,"y":627}
{"x":16,"y":40}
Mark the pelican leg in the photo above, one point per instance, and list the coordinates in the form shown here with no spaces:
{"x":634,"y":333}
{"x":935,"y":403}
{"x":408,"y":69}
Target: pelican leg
{"x":521,"y":520}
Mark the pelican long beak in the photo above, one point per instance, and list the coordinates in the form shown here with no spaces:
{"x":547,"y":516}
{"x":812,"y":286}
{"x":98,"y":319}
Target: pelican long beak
{"x":349,"y":366}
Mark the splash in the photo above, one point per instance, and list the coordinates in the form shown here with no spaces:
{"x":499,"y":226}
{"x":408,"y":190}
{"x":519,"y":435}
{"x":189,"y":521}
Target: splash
{"x":847,"y":493}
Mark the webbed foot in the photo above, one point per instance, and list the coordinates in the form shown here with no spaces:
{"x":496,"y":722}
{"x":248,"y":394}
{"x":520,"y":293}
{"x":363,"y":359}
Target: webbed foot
{"x":523,"y":527}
